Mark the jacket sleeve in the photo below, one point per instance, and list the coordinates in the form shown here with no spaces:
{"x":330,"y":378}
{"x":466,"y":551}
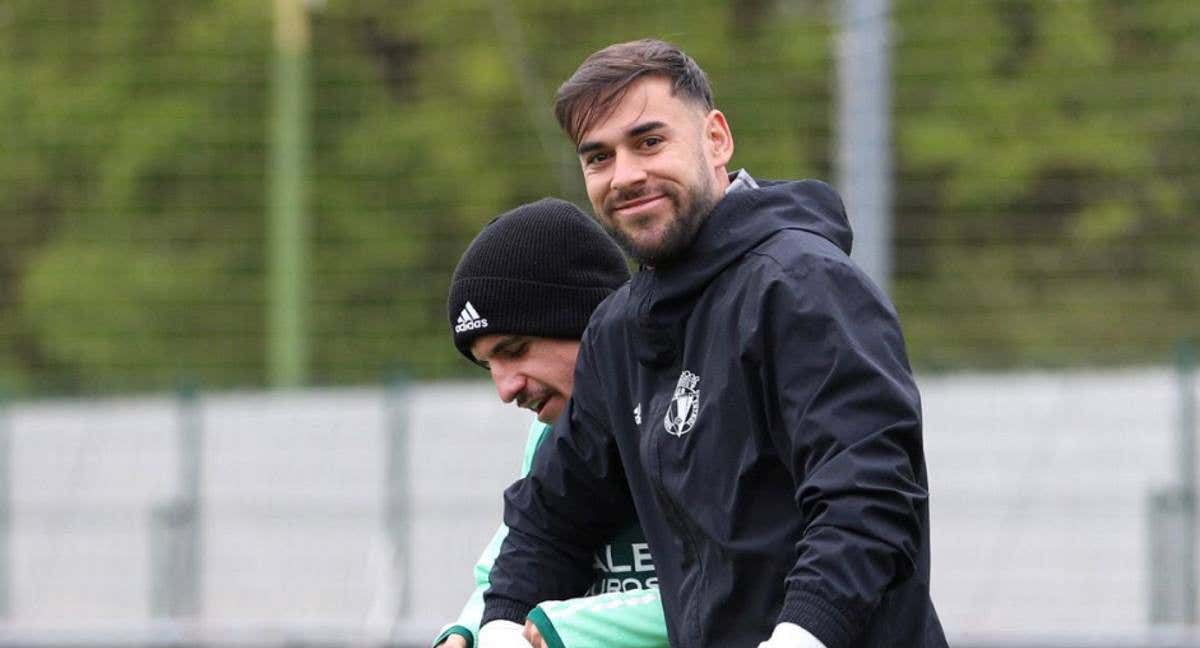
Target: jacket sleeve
{"x":632,"y":619}
{"x":847,"y":424}
{"x":574,"y":497}
{"x":467,"y":623}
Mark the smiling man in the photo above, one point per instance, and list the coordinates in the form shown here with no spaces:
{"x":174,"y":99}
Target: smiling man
{"x":519,"y":301}
{"x":749,"y":392}
{"x":653,"y":220}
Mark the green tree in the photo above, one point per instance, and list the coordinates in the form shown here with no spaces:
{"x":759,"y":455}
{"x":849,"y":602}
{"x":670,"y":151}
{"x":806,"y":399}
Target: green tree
{"x":1041,"y":219}
{"x":139,"y":164}
{"x":1047,"y":183}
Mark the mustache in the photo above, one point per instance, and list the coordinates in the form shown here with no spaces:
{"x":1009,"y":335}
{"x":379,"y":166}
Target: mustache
{"x":625,"y":195}
{"x":527,"y":397}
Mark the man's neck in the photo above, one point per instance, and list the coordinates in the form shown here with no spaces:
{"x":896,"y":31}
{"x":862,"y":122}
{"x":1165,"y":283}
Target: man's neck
{"x":723,"y":181}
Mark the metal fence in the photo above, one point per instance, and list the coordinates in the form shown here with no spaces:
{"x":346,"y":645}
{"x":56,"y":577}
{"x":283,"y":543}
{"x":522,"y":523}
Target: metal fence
{"x":356,"y":514}
{"x":1042,"y":171}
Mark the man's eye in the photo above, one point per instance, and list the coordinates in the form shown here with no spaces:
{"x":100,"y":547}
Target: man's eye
{"x":597,"y":158}
{"x":512,"y":352}
{"x":651,"y":142}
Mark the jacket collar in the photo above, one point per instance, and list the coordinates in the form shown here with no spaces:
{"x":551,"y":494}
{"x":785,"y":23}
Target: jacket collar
{"x":662,"y":297}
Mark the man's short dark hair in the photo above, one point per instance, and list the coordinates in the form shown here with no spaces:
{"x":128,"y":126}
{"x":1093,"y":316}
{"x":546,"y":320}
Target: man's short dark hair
{"x":600,"y":83}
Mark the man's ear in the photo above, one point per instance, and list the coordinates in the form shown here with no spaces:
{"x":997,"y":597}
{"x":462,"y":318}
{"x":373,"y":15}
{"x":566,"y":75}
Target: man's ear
{"x":718,"y":139}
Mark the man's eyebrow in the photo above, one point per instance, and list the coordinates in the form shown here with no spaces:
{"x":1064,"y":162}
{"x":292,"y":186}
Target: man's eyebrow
{"x":501,"y":345}
{"x":588,"y":147}
{"x":640,"y":129}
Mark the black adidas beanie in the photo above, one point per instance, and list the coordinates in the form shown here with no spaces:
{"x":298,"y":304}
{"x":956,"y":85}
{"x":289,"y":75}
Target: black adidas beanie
{"x":540,"y":269}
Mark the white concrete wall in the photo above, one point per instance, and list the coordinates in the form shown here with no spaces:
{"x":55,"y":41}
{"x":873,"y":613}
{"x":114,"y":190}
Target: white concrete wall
{"x":1039,"y":486}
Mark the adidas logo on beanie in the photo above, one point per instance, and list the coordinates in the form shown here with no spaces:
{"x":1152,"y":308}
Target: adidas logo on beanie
{"x":469,"y":320}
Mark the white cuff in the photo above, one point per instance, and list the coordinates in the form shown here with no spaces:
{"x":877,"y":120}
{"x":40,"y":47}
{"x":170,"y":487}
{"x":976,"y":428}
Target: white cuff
{"x":790,"y":635}
{"x":504,"y":634}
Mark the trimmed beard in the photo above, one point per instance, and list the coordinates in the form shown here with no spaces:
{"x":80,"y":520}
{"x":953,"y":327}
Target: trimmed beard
{"x":691,"y":210}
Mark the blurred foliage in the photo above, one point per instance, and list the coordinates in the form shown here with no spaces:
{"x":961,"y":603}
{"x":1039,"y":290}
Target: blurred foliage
{"x":1049,"y":177}
{"x":1047,"y":174}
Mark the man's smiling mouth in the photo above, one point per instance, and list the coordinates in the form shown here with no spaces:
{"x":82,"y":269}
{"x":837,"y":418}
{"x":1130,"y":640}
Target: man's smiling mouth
{"x":631,"y":205}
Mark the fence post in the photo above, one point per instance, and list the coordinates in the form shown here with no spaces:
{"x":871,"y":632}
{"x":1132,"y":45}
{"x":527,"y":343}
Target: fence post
{"x":1172,"y":513}
{"x":864,"y":131}
{"x":6,"y":448}
{"x":1166,"y":558}
{"x":397,"y":489}
{"x":175,"y":542}
{"x":287,"y":218}
{"x":1186,"y":371}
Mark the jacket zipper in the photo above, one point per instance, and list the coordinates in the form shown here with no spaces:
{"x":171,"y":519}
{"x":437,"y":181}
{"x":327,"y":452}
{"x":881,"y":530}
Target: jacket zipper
{"x":678,"y":522}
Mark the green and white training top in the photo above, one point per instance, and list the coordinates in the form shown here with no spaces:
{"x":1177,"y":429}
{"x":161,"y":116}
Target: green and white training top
{"x":621,"y":609}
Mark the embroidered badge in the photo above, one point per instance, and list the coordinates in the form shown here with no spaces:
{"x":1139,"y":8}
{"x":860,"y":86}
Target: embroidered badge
{"x":681,"y":413}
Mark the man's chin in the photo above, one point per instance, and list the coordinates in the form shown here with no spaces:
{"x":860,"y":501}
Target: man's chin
{"x":641,"y":245}
{"x":551,"y":411}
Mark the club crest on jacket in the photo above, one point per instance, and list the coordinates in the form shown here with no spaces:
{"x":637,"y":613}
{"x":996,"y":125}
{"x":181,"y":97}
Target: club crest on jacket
{"x":681,"y":413}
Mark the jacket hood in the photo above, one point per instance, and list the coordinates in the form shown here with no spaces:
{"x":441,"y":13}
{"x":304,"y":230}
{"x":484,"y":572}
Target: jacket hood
{"x":662,"y":297}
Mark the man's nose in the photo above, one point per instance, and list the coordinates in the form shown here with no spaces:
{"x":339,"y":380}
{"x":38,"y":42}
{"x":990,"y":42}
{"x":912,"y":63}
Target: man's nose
{"x":628,"y":173}
{"x":509,"y":382}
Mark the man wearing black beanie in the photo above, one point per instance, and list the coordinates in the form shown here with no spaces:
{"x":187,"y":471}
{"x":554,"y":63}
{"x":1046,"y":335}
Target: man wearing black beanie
{"x":519,"y":302}
{"x":536,"y":271}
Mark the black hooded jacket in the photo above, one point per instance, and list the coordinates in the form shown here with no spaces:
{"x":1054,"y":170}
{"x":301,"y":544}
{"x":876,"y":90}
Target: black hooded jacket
{"x":754,"y":405}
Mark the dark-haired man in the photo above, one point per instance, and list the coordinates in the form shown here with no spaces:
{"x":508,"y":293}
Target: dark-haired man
{"x":748,"y":392}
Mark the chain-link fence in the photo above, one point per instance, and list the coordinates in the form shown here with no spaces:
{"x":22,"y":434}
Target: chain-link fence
{"x":1045,"y":176}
